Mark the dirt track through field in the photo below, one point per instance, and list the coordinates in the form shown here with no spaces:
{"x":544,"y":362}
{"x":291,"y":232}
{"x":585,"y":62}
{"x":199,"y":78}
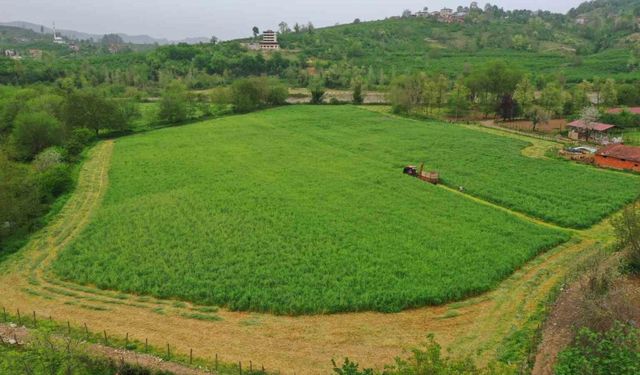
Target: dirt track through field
{"x":301,"y":345}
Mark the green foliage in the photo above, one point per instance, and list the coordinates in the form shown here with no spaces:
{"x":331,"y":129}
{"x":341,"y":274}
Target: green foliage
{"x":90,"y":109}
{"x":174,"y":104}
{"x":252,"y":93}
{"x":627,"y":227}
{"x":625,"y":119}
{"x":429,"y":359}
{"x":33,"y":132}
{"x":350,"y":368}
{"x":47,"y":354}
{"x":317,"y":90}
{"x":282,"y":245}
{"x":616,"y":351}
{"x":358,"y":98}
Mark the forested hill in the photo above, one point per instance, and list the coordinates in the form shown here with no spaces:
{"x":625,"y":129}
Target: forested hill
{"x":597,"y":38}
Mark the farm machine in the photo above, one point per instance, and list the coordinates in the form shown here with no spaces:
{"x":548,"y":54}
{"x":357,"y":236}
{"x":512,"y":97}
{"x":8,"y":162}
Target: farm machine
{"x":431,"y":177}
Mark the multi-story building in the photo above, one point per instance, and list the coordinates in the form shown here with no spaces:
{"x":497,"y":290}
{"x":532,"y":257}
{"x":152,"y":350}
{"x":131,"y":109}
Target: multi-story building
{"x":269,"y":40}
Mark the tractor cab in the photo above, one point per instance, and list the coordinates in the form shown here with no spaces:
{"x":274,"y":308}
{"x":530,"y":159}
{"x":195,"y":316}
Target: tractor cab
{"x":411,"y":170}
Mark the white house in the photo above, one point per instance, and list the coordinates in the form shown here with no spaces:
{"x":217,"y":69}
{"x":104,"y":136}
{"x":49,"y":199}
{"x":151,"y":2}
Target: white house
{"x":269,"y":41}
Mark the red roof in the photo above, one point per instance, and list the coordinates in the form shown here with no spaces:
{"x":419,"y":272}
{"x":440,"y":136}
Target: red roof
{"x":621,"y":152}
{"x":634,"y":110}
{"x":597,"y":126}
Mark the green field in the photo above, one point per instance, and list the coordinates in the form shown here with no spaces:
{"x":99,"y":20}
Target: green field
{"x":304,"y":210}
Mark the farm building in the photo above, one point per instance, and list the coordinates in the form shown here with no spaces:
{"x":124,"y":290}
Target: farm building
{"x":595,"y":132}
{"x":619,"y":157}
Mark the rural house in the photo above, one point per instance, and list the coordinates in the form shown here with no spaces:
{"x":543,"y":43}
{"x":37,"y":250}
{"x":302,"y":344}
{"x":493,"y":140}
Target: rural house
{"x":619,"y":157}
{"x":269,"y":41}
{"x":595,"y":132}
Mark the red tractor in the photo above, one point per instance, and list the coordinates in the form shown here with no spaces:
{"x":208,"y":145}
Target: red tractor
{"x":431,"y":177}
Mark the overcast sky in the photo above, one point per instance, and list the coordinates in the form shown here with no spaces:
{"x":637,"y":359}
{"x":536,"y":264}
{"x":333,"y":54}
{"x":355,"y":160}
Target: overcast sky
{"x":227,"y":19}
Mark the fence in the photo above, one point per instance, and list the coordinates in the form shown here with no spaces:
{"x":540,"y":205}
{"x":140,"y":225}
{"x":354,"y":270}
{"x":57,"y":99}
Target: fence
{"x":214,"y":366}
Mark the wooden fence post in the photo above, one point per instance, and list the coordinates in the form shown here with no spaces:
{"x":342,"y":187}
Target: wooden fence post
{"x":191,"y":357}
{"x":4,"y":314}
{"x":146,"y":345}
{"x":35,"y":321}
{"x":68,"y":327}
{"x":19,"y":319}
{"x":240,"y":366}
{"x":216,"y":361}
{"x":168,"y":352}
{"x":250,"y":367}
{"x":126,"y":341}
{"x":106,"y":341}
{"x":86,"y":332}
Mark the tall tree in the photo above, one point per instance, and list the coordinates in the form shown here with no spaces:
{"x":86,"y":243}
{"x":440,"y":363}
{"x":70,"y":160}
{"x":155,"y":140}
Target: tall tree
{"x":256,"y":32}
{"x":525,"y":93}
{"x":459,"y":100}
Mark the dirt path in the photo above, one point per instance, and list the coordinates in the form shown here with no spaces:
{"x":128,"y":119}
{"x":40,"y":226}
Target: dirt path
{"x":305,"y":344}
{"x":18,"y":335}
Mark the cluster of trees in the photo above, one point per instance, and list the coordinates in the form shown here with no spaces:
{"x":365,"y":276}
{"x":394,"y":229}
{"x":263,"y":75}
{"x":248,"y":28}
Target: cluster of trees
{"x":506,"y":91}
{"x":42,"y":132}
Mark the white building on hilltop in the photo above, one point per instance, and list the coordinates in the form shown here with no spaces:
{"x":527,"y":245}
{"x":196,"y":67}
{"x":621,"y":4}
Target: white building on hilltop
{"x":269,"y":41}
{"x":57,"y":39}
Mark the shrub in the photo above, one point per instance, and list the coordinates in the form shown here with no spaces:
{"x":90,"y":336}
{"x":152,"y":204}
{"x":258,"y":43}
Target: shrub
{"x":627,"y":227}
{"x":317,"y":92}
{"x":34,"y":132}
{"x":616,"y":351}
{"x":174,"y":104}
{"x":54,"y":182}
{"x":47,"y":159}
{"x":77,"y":141}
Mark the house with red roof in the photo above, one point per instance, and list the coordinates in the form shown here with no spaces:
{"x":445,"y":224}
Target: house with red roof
{"x":619,"y":157}
{"x":595,"y":132}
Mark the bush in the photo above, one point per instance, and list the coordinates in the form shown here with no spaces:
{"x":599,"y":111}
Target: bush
{"x":174,"y":104}
{"x":34,"y":132}
{"x":47,"y":159}
{"x":54,"y":182}
{"x":317,"y":92}
{"x":616,"y":351}
{"x":625,"y":119}
{"x":250,"y":94}
{"x":77,"y":141}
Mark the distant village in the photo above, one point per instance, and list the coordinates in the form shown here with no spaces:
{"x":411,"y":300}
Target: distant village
{"x":446,"y":15}
{"x":35,"y":53}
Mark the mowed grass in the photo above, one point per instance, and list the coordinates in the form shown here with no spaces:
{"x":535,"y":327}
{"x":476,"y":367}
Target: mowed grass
{"x":305,"y":210}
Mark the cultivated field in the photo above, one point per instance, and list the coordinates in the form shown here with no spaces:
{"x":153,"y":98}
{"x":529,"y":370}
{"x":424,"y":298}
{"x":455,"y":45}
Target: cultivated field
{"x":304,"y":210}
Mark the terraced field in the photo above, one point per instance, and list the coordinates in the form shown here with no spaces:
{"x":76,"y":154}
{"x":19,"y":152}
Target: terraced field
{"x":304,"y":210}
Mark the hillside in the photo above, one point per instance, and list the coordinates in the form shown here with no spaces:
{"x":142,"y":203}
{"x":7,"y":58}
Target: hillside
{"x":79,"y":35}
{"x":539,"y":42}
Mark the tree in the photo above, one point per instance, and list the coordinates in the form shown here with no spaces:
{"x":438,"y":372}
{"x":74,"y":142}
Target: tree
{"x":407,"y":93}
{"x":589,"y":116}
{"x":406,"y":13}
{"x":525,"y":94}
{"x":627,"y":227}
{"x":537,"y":115}
{"x":317,"y":91}
{"x":356,"y":21}
{"x":90,"y":109}
{"x":246,"y":95}
{"x":296,"y":28}
{"x":608,"y":93}
{"x":580,"y":95}
{"x":256,"y":32}
{"x":459,"y":102}
{"x":174,"y":103}
{"x":553,"y":98}
{"x":34,"y":132}
{"x":357,"y":92}
{"x":214,"y":40}
{"x":283,"y":27}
